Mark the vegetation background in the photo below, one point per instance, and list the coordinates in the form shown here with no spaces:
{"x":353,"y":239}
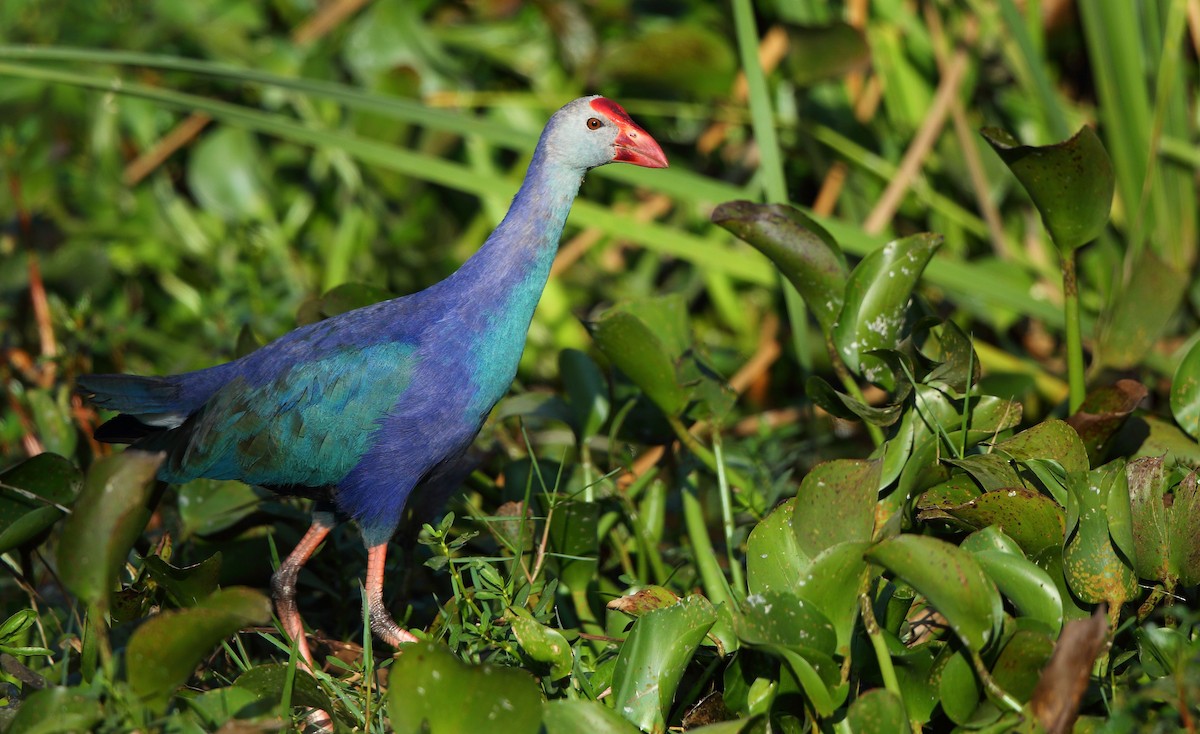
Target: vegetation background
{"x":185,"y":180}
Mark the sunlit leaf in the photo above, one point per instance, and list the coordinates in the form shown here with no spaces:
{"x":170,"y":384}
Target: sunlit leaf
{"x":1090,"y":561}
{"x":1026,"y":585}
{"x":541,"y":643}
{"x":577,"y":716}
{"x":836,"y":504}
{"x":878,"y":710}
{"x":774,"y":559}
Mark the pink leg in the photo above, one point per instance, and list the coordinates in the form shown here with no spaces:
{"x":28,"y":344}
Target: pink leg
{"x":382,"y":623}
{"x":283,"y":583}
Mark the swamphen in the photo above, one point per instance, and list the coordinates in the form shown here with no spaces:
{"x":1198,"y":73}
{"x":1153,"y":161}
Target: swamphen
{"x":361,"y":410}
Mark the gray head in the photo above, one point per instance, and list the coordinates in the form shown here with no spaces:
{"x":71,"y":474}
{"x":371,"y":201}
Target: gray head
{"x":592,"y":131}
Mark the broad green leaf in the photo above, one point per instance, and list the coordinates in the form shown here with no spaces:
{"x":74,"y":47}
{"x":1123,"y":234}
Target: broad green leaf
{"x":430,"y":687}
{"x":1185,"y":392}
{"x":578,"y":716}
{"x":1021,"y":662}
{"x":958,"y":685}
{"x":784,"y":619}
{"x":1090,"y":562}
{"x":30,"y":496}
{"x":1164,"y":650}
{"x":876,"y":305}
{"x":992,"y":471}
{"x":1051,"y":439}
{"x":266,"y":682}
{"x":1102,"y":414}
{"x":587,"y":392}
{"x":111,"y":512}
{"x":832,"y":584}
{"x":991,"y":538}
{"x":774,"y":559}
{"x":1140,"y":311}
{"x":950,"y":579}
{"x":541,"y":643}
{"x":1033,"y":520}
{"x":652,"y":659}
{"x":228,"y":175}
{"x":164,"y":652}
{"x":634,"y":348}
{"x":878,"y":711}
{"x":816,"y":673}
{"x":1148,"y":435}
{"x":1028,"y":587}
{"x":1147,"y":478}
{"x":835,"y":504}
{"x":186,"y":586}
{"x":958,"y":365}
{"x":573,"y":542}
{"x":914,"y":673}
{"x":55,"y":710}
{"x":208,"y":506}
{"x":1071,"y":183}
{"x":804,"y":252}
{"x":1184,"y":524}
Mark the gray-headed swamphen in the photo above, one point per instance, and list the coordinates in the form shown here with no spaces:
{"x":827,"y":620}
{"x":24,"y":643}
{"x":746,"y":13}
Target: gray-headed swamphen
{"x":363,"y":409}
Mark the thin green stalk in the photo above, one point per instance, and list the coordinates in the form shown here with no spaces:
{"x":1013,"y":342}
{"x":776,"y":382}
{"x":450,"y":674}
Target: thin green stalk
{"x":886,"y":670}
{"x":1075,"y":377}
{"x":716,"y":587}
{"x":735,"y":567}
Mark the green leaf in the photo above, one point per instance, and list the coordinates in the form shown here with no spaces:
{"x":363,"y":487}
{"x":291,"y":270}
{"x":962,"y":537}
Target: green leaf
{"x":1071,"y":183}
{"x":164,"y":652}
{"x":578,"y":716}
{"x":227,"y":174}
{"x":1028,"y":587}
{"x":587,"y":392}
{"x":267,"y":682}
{"x":783,"y":619}
{"x":804,"y":252}
{"x":950,"y":579}
{"x":1033,"y":520}
{"x":1051,"y":439}
{"x":1147,"y":478}
{"x":574,"y":543}
{"x":429,"y":686}
{"x":774,"y":559}
{"x":635,"y":348}
{"x":1102,"y":414}
{"x":832,"y":584}
{"x":958,"y":686}
{"x":111,"y":512}
{"x":1140,"y":312}
{"x":1091,"y":564}
{"x":541,"y":643}
{"x":876,"y":305}
{"x":1021,"y":662}
{"x":1185,"y":392}
{"x":1184,"y":524}
{"x":52,"y":416}
{"x":653,"y":657}
{"x":54,"y":710}
{"x":878,"y":711}
{"x":30,"y":494}
{"x":836,"y":504}
{"x":188,"y":585}
{"x":843,"y":406}
{"x":208,"y":506}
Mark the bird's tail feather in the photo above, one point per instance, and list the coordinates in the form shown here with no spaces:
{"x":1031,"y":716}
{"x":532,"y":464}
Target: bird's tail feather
{"x":132,"y":394}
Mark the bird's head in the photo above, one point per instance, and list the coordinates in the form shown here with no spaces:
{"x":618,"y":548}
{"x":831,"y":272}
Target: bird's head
{"x":593,"y":131}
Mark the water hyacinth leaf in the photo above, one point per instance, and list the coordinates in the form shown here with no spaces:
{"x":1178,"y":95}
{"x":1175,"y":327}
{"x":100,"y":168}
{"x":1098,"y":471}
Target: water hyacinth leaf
{"x":991,"y":538}
{"x":1071,"y":183}
{"x":774,"y":559}
{"x":668,"y":316}
{"x":1021,"y":661}
{"x":188,"y":585}
{"x":1185,"y":392}
{"x":841,"y":405}
{"x":832,"y":584}
{"x":208,"y":506}
{"x":111,"y":511}
{"x":958,"y":686}
{"x":1184,"y":523}
{"x":992,"y":471}
{"x":1050,"y":439}
{"x":56,"y":709}
{"x":785,"y":620}
{"x":878,"y":710}
{"x":634,"y":347}
{"x":1149,"y":435}
{"x":164,"y":652}
{"x":1034,"y":521}
{"x":31,"y":493}
{"x":1140,"y":312}
{"x":578,"y":716}
{"x":1091,"y":564}
{"x":541,"y":643}
{"x":1028,"y":587}
{"x":815,"y":673}
{"x":430,"y":689}
{"x":817,"y":52}
{"x":876,"y":303}
{"x":1147,"y":479}
{"x":587,"y":392}
{"x":1102,"y":414}
{"x":804,"y":252}
{"x":950,"y":579}
{"x":266,"y":682}
{"x":653,"y":657}
{"x":918,"y":688}
{"x":836,"y":504}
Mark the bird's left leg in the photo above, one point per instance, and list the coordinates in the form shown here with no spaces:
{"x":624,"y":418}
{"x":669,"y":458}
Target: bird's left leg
{"x":382,"y":623}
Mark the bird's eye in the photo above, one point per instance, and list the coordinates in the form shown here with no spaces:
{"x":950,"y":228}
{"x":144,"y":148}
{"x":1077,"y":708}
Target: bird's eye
{"x":594,"y":123}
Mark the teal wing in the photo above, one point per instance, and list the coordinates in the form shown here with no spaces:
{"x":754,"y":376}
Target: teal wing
{"x":308,"y":424}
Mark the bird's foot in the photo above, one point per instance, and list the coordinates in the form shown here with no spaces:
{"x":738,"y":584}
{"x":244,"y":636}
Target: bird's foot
{"x":382,"y":623}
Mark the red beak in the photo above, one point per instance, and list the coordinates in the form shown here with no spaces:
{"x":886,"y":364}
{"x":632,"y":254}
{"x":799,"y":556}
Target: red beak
{"x":634,"y":145}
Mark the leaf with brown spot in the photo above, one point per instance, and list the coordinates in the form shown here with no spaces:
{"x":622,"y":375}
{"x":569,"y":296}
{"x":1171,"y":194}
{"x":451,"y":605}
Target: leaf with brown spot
{"x":1033,"y":520}
{"x":644,"y":600}
{"x":1091,"y":564}
{"x":1052,"y":439}
{"x":1147,"y":479}
{"x":836,"y":504}
{"x":1103,"y":413}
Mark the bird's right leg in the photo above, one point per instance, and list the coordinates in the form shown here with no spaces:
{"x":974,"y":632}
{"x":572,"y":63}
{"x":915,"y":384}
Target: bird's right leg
{"x":382,"y":623}
{"x":283,"y":583}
